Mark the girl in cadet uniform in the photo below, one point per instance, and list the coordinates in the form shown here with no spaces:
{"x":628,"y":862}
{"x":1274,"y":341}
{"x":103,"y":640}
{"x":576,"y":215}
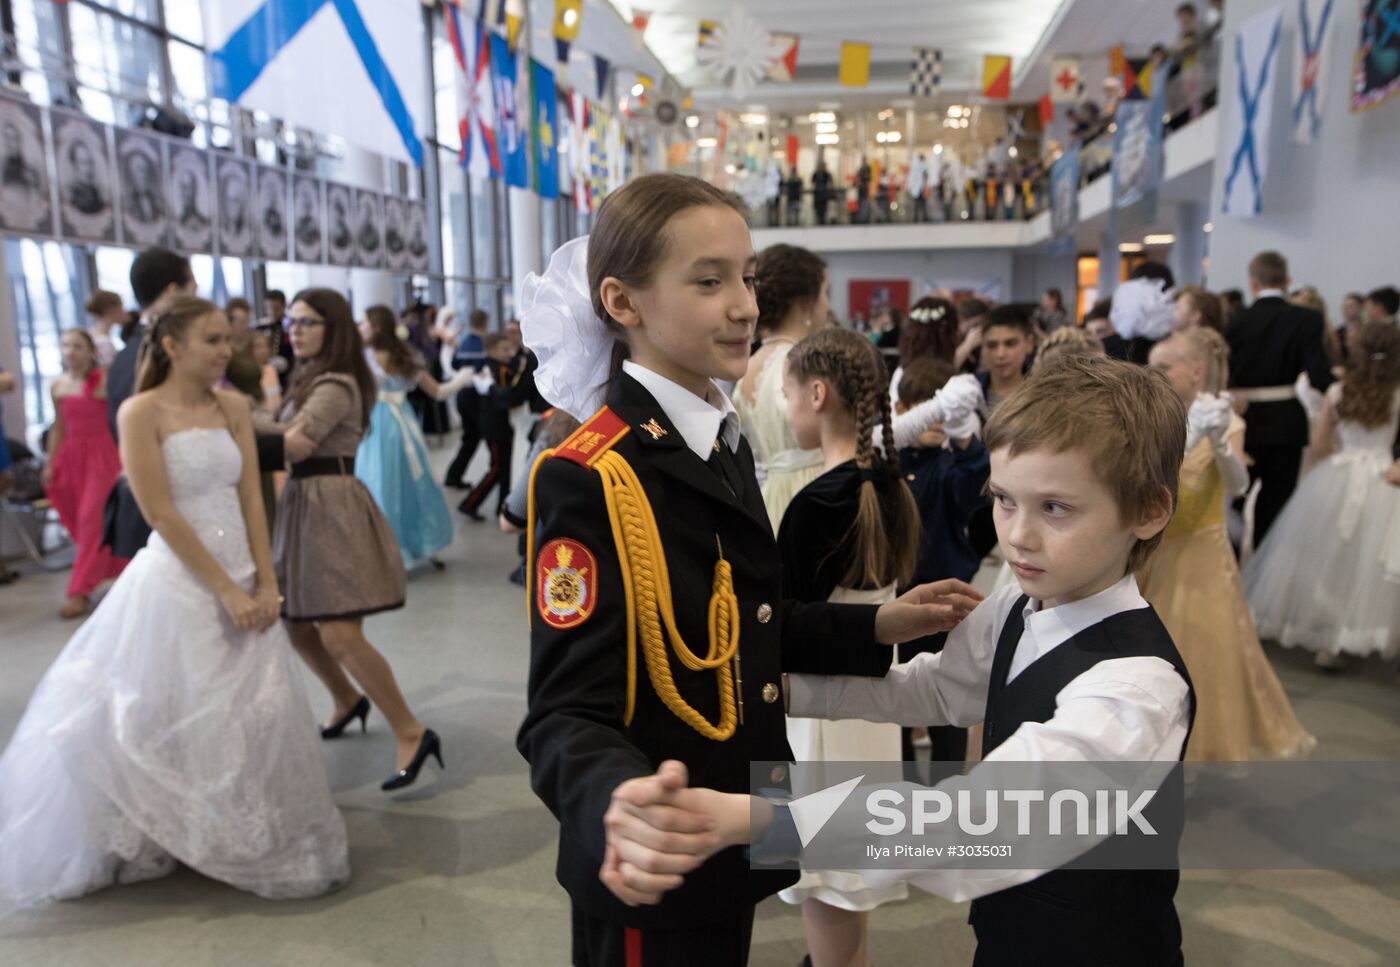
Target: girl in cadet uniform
{"x":657,"y":625}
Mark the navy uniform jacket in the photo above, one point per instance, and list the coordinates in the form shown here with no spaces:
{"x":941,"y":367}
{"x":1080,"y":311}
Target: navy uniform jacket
{"x":573,"y":735}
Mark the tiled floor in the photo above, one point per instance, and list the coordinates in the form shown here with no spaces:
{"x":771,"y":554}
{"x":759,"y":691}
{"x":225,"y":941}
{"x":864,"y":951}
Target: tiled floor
{"x":459,"y":871}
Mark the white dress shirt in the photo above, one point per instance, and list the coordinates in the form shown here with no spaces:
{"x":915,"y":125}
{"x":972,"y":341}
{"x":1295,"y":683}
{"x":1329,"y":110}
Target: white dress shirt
{"x":699,"y":421}
{"x":1122,"y":709}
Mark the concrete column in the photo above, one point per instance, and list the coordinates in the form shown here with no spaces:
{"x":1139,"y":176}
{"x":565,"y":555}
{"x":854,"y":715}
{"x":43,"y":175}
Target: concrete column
{"x":1189,"y":250}
{"x":13,"y":404}
{"x":525,"y":255}
{"x":1110,"y":262}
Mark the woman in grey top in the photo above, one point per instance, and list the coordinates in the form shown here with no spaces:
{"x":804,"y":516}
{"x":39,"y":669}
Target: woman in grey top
{"x":334,"y":553}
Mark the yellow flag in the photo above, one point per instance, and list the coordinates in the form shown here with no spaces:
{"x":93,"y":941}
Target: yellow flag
{"x":567,"y":14}
{"x":855,"y":64}
{"x":996,"y":77}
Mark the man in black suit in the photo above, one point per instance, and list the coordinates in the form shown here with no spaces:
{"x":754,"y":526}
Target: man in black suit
{"x":156,"y":272}
{"x":1271,"y":342}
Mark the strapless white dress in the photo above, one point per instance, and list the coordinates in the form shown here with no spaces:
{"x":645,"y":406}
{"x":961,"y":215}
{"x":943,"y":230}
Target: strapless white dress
{"x":162,"y":734}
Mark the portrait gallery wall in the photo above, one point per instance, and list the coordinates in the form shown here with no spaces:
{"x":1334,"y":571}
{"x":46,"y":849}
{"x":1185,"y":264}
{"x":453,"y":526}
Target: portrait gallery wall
{"x":65,"y":176}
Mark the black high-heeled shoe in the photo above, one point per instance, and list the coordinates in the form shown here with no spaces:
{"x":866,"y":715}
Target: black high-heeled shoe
{"x":337,"y":728}
{"x":429,"y":745}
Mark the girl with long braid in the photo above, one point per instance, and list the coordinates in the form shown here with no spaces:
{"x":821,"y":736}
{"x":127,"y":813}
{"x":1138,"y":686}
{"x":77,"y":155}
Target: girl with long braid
{"x":851,"y":535}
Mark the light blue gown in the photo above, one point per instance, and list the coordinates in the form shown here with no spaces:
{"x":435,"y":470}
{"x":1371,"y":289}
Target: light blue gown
{"x":392,"y":462}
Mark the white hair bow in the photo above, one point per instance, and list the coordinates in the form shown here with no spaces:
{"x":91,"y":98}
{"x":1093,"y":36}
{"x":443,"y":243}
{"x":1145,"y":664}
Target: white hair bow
{"x":559,"y":326}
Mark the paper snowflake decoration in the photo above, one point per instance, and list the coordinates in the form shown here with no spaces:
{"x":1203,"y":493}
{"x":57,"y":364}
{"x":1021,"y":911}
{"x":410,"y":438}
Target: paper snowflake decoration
{"x":742,"y":47}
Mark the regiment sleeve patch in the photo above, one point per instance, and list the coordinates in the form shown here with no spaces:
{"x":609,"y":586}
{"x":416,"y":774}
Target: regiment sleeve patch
{"x":567,"y":581}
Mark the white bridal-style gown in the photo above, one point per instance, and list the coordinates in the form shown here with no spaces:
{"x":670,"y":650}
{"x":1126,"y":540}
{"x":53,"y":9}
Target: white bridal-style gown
{"x":164,"y":735}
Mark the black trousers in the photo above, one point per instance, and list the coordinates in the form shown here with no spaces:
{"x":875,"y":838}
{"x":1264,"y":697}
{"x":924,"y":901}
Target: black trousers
{"x":497,"y":476}
{"x":948,"y":743}
{"x":469,"y":408}
{"x":1277,"y":468}
{"x":602,"y":943}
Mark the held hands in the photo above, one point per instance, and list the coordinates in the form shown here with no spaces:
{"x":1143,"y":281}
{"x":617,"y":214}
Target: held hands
{"x":255,"y":613}
{"x":658,"y":830}
{"x":925,"y":610}
{"x":483,"y":382}
{"x":1392,"y":474}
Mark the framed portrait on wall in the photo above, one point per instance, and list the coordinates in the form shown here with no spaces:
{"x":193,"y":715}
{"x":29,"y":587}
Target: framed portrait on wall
{"x":340,"y":224}
{"x":238,"y":220}
{"x":191,"y":199}
{"x":84,"y":167}
{"x":308,"y":234}
{"x":369,"y":230}
{"x":141,"y":188}
{"x":26,"y":204}
{"x":274,"y":235}
{"x":395,"y":240}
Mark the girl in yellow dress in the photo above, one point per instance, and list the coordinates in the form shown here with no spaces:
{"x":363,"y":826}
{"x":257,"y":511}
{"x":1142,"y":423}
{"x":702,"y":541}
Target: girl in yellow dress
{"x":1194,"y":582}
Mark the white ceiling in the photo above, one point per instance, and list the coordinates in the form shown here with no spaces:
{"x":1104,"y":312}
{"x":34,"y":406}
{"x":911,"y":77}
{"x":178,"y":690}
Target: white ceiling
{"x":965,"y":30}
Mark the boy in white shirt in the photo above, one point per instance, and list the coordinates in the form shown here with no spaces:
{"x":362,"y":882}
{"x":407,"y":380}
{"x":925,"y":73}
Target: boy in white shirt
{"x":1072,"y":665}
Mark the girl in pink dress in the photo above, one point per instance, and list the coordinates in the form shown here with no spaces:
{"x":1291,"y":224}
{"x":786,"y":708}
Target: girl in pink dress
{"x":83,"y":465}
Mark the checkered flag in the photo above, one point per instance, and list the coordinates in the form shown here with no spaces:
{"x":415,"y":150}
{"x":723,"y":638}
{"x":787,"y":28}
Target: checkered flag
{"x":925,"y":72}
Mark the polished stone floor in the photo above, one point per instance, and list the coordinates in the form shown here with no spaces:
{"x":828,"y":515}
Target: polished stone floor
{"x":459,"y":870}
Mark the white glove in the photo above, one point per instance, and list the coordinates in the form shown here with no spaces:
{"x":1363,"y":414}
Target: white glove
{"x":483,"y":382}
{"x":1209,"y":416}
{"x":460,"y":380}
{"x":958,"y":396}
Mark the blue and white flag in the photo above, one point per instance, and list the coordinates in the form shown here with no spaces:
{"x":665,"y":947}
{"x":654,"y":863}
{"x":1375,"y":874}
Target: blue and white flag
{"x":1248,"y":90}
{"x":348,"y":67}
{"x":1137,"y":148}
{"x":1310,"y":63}
{"x":511,"y":140}
{"x":1064,"y":194}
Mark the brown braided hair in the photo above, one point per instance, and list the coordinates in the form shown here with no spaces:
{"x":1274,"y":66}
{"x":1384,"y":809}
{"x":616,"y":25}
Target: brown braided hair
{"x":1368,"y":389}
{"x":932,"y":337}
{"x":884,"y":542}
{"x":787,"y":277}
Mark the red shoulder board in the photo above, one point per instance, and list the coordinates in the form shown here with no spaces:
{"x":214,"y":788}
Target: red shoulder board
{"x":567,"y":583}
{"x":593,"y":439}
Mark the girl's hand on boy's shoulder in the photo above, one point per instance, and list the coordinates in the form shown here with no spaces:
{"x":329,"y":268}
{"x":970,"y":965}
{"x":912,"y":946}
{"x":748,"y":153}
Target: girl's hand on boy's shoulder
{"x":925,"y":610}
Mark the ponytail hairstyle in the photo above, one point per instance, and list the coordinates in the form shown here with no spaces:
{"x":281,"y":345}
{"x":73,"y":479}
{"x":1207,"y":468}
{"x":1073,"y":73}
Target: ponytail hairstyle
{"x":1209,"y":346}
{"x":404,"y":360}
{"x":171,"y":316}
{"x":932,"y":330}
{"x":1368,"y":389}
{"x":788,"y":278}
{"x":342,"y":351}
{"x":629,"y":237}
{"x":885,"y":540}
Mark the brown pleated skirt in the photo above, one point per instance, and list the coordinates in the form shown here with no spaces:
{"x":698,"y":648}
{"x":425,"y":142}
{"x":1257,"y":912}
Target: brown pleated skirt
{"x":333,"y":551}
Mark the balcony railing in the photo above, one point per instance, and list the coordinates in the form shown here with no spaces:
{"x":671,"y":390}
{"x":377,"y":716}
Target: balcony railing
{"x":1192,"y":81}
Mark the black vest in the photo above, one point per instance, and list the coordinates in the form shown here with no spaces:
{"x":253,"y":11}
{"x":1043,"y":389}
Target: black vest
{"x":1085,"y":917}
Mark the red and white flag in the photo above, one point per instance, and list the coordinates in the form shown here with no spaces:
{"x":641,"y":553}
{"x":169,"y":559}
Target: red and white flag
{"x":784,"y":47}
{"x":476,"y":103}
{"x":1066,"y":80}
